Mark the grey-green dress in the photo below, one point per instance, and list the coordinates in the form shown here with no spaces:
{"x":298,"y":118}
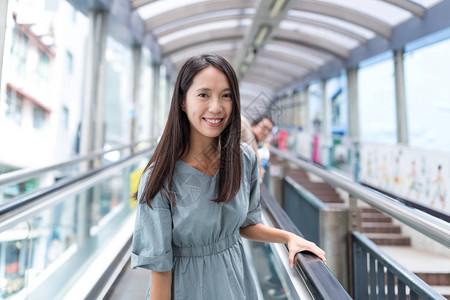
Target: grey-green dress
{"x":197,"y":238}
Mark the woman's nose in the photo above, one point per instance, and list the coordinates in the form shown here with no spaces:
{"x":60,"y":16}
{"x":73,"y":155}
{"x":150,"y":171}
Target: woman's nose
{"x":215,"y":105}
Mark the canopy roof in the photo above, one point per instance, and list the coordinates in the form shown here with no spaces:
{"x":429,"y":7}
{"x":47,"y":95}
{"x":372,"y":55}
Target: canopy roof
{"x":276,"y":45}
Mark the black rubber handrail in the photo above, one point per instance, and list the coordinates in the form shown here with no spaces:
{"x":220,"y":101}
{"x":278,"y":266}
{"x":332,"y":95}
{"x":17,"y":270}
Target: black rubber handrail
{"x":320,"y":281}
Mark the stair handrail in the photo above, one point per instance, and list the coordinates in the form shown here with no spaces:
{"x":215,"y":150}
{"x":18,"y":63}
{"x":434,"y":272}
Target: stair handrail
{"x":318,"y":278}
{"x":27,"y":173}
{"x":434,"y":228}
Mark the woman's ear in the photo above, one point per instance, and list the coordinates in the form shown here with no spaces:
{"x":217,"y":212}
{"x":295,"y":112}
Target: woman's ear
{"x":183,"y":107}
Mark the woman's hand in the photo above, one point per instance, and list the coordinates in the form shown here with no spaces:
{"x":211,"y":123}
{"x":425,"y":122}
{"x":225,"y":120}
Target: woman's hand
{"x":298,"y":244}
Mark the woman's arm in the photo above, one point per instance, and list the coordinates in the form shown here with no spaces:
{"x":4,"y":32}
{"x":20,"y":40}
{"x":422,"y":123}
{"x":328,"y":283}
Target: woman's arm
{"x":160,"y":286}
{"x":262,"y":233}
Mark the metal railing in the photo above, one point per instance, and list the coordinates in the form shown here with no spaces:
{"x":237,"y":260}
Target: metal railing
{"x":428,"y":225}
{"x":320,"y":281}
{"x":377,"y":276}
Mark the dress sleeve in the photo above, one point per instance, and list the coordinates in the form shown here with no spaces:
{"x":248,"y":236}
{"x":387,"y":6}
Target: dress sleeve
{"x":152,"y":240}
{"x":254,"y":208}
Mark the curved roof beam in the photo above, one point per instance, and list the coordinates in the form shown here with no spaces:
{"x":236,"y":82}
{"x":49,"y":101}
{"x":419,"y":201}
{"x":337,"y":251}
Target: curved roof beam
{"x":203,"y":29}
{"x":414,"y":8}
{"x":194,"y":10}
{"x":270,"y":72}
{"x":232,"y":14}
{"x":258,"y":88}
{"x":381,"y":28}
{"x":273,"y":85}
{"x":314,"y":42}
{"x":199,"y":39}
{"x":314,"y":54}
{"x":139,"y":3}
{"x":287,"y":67}
{"x":224,"y":47}
{"x":229,"y":55}
{"x":295,"y":60}
{"x":319,"y":24}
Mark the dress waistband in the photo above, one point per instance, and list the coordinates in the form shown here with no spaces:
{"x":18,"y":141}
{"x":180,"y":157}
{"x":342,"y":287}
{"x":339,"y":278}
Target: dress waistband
{"x":205,"y":250}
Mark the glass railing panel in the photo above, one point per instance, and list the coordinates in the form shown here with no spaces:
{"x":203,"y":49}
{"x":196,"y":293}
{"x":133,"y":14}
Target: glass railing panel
{"x":15,"y":258}
{"x":274,"y":277}
{"x":42,"y":261}
{"x":49,"y":177}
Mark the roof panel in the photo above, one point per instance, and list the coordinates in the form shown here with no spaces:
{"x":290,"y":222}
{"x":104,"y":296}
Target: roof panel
{"x":199,"y":39}
{"x":295,"y":53}
{"x":427,"y":3}
{"x":188,"y":11}
{"x":383,"y":11}
{"x":203,"y":28}
{"x":333,"y":36}
{"x":213,"y":47}
{"x":156,"y":8}
{"x":351,"y":27}
{"x":204,"y":18}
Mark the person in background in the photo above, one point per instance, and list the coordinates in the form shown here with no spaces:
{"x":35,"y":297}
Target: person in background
{"x":200,"y":193}
{"x":255,"y":134}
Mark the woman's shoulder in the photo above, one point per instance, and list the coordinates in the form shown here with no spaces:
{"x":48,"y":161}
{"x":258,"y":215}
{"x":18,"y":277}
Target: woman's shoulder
{"x":248,"y":154}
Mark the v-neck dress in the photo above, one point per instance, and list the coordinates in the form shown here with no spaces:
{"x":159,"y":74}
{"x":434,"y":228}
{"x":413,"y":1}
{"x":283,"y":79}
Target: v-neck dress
{"x":198,"y":239}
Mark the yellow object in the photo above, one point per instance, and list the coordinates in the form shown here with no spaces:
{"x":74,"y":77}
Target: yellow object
{"x":135,"y":177}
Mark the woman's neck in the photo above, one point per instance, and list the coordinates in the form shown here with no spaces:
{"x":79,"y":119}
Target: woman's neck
{"x":204,"y":156}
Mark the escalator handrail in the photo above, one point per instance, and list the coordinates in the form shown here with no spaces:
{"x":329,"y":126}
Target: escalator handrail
{"x":18,"y":203}
{"x":434,"y":228}
{"x":320,"y":281}
{"x":27,"y":173}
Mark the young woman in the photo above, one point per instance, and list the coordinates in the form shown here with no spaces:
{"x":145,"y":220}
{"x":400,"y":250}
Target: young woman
{"x":200,"y":193}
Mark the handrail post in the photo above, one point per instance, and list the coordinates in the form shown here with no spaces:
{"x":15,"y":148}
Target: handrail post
{"x":354,"y":224}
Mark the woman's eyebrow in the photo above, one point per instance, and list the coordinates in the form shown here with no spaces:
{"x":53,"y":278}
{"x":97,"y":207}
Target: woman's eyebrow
{"x":208,"y":90}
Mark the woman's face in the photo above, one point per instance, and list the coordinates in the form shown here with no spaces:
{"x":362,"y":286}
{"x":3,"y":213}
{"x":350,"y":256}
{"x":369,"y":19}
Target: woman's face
{"x":208,"y":103}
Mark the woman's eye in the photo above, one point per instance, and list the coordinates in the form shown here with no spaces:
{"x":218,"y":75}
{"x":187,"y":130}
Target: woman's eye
{"x":227,"y":95}
{"x":203,"y":95}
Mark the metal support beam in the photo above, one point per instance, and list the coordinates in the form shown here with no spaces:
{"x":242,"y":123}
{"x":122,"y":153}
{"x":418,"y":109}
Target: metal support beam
{"x":155,"y":100}
{"x":137,"y":57}
{"x":305,"y":101}
{"x":3,"y":15}
{"x":402,"y":120}
{"x":265,"y":23}
{"x":353,"y":104}
{"x":92,"y":122}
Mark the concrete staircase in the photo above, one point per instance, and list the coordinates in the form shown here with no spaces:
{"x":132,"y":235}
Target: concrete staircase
{"x":432,"y":268}
{"x":380,"y":229}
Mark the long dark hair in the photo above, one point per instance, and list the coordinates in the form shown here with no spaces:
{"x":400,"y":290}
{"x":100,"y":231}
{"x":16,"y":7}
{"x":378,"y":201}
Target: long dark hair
{"x":174,"y":142}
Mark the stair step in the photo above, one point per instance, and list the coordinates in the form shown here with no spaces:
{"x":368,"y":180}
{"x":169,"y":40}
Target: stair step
{"x":380,"y":227}
{"x":443,"y":290}
{"x":389,"y":239}
{"x":441,"y":279}
{"x":369,"y":210}
{"x":375,"y":217}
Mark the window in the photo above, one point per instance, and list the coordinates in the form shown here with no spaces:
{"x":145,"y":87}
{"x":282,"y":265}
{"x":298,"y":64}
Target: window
{"x":427,"y":89}
{"x":69,"y":62}
{"x":14,"y":104}
{"x":376,"y":94}
{"x":65,"y":117}
{"x":38,"y":117}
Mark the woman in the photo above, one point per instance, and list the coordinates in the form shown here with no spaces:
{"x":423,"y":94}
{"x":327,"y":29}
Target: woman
{"x":200,"y":193}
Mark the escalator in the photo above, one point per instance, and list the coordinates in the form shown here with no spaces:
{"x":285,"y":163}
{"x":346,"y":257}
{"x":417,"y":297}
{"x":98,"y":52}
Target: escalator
{"x":70,"y":238}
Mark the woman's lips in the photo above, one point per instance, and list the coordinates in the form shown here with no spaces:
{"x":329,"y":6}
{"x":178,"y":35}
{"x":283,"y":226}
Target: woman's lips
{"x":213,"y":122}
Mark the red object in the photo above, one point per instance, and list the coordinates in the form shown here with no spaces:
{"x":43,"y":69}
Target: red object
{"x":282,"y":139}
{"x":12,"y":268}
